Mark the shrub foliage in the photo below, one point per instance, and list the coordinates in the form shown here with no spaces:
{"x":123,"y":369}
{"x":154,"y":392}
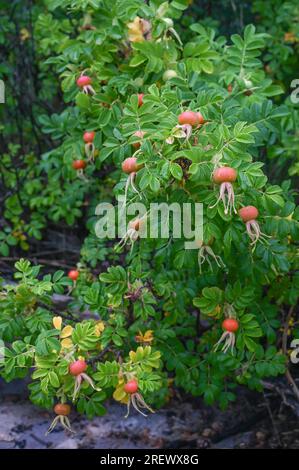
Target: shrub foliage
{"x":151,"y":310}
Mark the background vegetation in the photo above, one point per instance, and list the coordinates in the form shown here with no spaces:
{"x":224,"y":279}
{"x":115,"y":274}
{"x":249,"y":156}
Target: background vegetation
{"x":148,"y":311}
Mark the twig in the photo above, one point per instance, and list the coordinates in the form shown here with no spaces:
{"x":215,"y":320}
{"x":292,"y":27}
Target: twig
{"x":46,"y":444}
{"x":276,"y":432}
{"x":292,"y":384}
{"x":99,"y":356}
{"x":58,"y":312}
{"x":58,"y":264}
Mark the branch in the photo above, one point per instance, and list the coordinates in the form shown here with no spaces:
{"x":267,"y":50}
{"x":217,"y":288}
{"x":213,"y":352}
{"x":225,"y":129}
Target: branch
{"x":99,"y":356}
{"x":58,"y":312}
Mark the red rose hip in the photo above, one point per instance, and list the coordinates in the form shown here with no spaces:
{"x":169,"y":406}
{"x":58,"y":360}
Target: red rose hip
{"x":62,"y":409}
{"x":140,"y":99}
{"x":224,"y":174}
{"x":77,"y":367}
{"x":83,"y":81}
{"x":129,"y":165}
{"x":88,"y":137}
{"x":79,"y":164}
{"x":230,"y":324}
{"x":188,"y":117}
{"x":200,"y":118}
{"x":73,"y":274}
{"x":248,"y":213}
{"x":131,"y":386}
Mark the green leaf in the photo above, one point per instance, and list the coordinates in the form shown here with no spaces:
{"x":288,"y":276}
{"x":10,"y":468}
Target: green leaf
{"x":176,"y":171}
{"x":211,"y":298}
{"x":54,"y":380}
{"x":84,"y":336}
{"x":47,"y":343}
{"x":82,"y":101}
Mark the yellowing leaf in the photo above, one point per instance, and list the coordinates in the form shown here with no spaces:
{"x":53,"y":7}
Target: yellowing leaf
{"x":66,"y":332}
{"x":132,"y":355}
{"x":147,"y":337}
{"x":114,"y":301}
{"x":139,"y":30}
{"x":67,"y":343}
{"x":57,"y":322}
{"x":125,"y":400}
{"x":100,"y":326}
{"x":136,"y":30}
{"x":290,"y":37}
{"x":120,"y":395}
{"x":24,"y":34}
{"x":217,"y":313}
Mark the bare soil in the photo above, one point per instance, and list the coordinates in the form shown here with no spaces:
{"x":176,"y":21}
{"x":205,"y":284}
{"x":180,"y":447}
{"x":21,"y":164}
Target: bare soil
{"x":253,"y":421}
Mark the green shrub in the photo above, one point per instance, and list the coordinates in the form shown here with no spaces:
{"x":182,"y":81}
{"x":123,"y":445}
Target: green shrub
{"x":155,"y":315}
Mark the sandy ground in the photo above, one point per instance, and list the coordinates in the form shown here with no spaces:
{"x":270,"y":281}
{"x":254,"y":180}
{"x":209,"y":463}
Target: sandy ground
{"x":249,"y":423}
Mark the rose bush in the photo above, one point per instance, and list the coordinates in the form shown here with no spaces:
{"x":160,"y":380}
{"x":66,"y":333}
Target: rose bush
{"x":159,"y":316}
